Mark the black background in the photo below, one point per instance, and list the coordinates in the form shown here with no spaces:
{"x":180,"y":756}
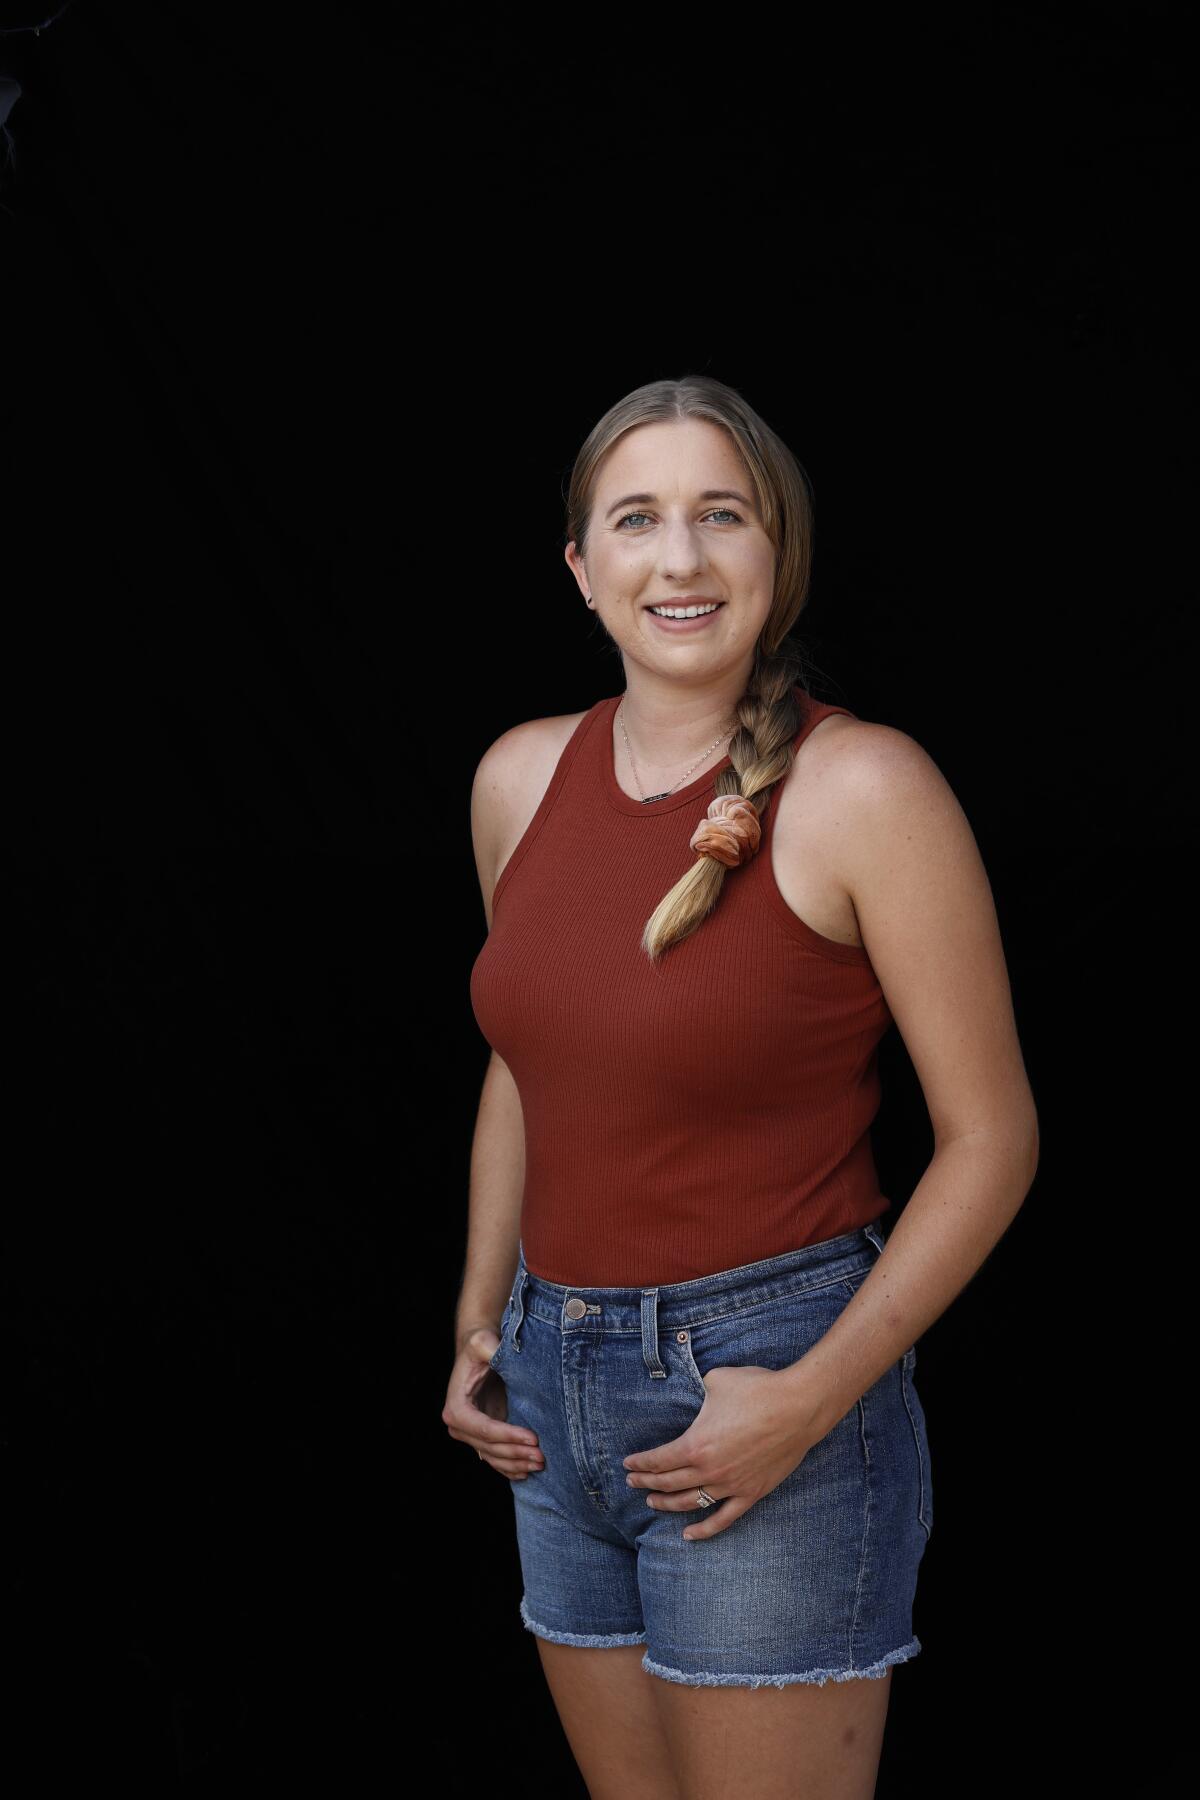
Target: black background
{"x":307,"y":311}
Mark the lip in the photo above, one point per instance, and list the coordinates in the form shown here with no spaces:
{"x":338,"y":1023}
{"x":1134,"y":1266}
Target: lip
{"x":684,"y":627}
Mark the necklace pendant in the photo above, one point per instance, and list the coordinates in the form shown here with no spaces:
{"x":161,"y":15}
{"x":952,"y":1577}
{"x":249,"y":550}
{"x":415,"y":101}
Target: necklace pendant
{"x":647,"y":798}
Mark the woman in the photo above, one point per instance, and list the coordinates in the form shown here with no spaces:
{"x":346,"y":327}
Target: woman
{"x":681,"y":1334}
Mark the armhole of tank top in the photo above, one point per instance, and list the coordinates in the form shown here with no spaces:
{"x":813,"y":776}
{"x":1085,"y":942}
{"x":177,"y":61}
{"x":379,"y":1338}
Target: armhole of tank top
{"x":569,"y":752}
{"x":768,"y":887}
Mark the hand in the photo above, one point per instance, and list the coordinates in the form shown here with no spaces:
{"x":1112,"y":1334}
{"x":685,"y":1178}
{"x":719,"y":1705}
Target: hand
{"x":476,"y":1410}
{"x":751,"y":1432}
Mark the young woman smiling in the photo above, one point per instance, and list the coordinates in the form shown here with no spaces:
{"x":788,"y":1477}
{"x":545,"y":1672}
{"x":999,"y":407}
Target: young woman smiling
{"x":682,"y":1336}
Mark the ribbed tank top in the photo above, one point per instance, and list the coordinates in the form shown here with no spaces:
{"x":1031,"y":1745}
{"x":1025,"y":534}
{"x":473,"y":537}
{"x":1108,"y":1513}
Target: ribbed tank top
{"x":688,"y":1116}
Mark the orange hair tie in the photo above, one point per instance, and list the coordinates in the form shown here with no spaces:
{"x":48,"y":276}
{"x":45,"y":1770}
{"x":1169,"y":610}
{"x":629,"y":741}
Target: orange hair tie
{"x":729,"y":833}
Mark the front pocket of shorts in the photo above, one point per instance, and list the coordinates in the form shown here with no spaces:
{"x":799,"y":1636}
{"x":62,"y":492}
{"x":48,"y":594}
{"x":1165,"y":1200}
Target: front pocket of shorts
{"x":772,"y":1337}
{"x":683,"y":1343}
{"x":505,"y":1316}
{"x":916,"y":1417}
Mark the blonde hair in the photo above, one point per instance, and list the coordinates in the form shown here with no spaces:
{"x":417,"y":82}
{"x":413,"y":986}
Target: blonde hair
{"x":768,"y":715}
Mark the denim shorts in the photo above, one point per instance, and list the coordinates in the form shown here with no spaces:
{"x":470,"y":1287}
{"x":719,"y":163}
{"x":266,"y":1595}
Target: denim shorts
{"x":816,"y":1581}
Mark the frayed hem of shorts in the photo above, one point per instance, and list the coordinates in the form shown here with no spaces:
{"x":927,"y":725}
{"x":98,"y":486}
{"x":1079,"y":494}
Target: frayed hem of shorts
{"x":873,"y":1672}
{"x":613,"y":1641}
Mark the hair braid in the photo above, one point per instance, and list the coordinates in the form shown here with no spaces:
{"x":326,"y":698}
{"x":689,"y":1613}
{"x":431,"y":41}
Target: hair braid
{"x":760,"y":755}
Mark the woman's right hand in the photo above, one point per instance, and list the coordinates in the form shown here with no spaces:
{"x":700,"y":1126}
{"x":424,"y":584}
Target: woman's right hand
{"x":476,"y":1410}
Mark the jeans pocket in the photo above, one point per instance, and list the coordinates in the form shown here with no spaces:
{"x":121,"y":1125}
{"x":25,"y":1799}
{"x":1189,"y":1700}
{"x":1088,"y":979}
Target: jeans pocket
{"x":683,"y":1342}
{"x":771,"y":1336}
{"x":505,"y":1316}
{"x":916,"y":1415}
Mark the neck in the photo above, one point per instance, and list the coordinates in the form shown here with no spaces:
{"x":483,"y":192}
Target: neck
{"x":668,"y":728}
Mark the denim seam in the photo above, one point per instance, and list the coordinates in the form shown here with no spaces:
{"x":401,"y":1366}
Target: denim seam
{"x":905,"y":1379}
{"x":575,"y":1401}
{"x":518,"y":1296}
{"x":864,"y":1439}
{"x":689,"y":1363}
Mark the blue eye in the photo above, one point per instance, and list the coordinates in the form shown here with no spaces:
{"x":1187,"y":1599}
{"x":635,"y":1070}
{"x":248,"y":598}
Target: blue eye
{"x":728,"y":511}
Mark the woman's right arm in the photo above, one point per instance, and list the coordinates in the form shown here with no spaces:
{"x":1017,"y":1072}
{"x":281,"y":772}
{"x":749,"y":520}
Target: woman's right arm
{"x":497,"y":1172}
{"x":497,"y":1182}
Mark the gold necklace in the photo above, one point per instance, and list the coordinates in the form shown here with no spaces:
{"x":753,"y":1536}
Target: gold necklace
{"x":647,"y":798}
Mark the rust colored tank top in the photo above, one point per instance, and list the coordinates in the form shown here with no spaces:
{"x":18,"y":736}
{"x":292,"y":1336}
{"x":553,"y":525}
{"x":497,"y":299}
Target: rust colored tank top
{"x":685,"y":1117}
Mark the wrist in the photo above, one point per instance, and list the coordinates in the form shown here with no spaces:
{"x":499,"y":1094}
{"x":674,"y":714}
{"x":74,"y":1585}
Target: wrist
{"x":464,"y":1333}
{"x":812,"y":1399}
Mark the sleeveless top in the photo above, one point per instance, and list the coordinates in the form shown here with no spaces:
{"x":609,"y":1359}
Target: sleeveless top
{"x":688,"y":1116}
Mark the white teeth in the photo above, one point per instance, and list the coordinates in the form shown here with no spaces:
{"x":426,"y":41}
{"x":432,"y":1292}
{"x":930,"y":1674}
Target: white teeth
{"x":683,"y":612}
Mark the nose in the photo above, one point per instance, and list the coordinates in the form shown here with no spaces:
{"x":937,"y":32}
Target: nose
{"x":681,"y":553}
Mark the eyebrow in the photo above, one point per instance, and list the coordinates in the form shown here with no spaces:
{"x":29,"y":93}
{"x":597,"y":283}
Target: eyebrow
{"x":649,"y":499}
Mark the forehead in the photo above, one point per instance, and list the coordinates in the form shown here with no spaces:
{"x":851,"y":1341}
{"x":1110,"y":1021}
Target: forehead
{"x":675,"y":454}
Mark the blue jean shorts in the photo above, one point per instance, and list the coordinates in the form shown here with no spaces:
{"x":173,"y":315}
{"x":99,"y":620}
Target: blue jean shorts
{"x":816,"y":1581}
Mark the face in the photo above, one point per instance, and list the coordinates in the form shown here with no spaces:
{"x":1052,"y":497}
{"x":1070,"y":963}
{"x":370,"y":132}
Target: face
{"x":674,"y":523}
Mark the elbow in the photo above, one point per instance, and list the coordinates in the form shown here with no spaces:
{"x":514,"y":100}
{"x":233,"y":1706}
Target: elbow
{"x":1012,"y":1141}
{"x":1027,"y":1148}
{"x":1033,"y":1143}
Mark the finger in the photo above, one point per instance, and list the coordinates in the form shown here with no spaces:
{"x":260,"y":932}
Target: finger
{"x":682,"y":1501}
{"x":515,"y":1465}
{"x":670,"y":1481}
{"x":508,"y":1453}
{"x":473,"y":1425}
{"x":509,"y":1442}
{"x":719,"y":1519}
{"x":654,"y":1462}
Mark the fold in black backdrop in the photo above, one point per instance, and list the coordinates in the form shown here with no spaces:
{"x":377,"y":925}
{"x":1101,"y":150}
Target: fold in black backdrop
{"x":306,"y":315}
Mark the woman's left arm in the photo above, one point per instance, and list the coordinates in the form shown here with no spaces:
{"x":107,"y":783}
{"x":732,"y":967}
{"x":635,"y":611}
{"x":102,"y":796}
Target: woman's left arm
{"x":928,"y":921}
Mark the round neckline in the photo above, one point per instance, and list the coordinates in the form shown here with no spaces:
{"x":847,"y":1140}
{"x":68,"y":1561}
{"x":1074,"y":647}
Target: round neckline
{"x":648,"y":808}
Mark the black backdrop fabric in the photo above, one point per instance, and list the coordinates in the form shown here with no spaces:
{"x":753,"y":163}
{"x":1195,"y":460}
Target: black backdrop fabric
{"x":307,"y":312}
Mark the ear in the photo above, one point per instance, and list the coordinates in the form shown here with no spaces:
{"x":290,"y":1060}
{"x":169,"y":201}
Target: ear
{"x":575,"y":564}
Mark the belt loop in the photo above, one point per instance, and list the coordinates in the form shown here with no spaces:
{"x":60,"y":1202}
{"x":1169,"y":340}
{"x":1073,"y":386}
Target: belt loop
{"x":650,"y":1333}
{"x":876,"y":1237}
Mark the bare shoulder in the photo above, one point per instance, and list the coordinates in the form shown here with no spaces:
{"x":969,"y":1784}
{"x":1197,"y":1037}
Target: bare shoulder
{"x":510,"y":781}
{"x":865,"y":769}
{"x":848,"y":802}
{"x":858,"y":748}
{"x":905,"y":854}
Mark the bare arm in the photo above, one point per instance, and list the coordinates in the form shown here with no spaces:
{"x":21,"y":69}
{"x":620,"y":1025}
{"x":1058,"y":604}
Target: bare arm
{"x":476,"y":1408}
{"x":497,"y":1177}
{"x":494,"y":1209}
{"x":928,"y":920}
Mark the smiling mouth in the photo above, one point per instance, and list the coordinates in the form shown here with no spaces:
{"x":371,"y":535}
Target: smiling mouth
{"x":696,"y":611}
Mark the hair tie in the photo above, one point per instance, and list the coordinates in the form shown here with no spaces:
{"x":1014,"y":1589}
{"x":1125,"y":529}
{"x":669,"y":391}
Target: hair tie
{"x":730,"y":831}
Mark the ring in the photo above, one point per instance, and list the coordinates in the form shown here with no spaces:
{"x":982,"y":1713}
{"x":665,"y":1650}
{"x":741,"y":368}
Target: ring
{"x":706,"y":1499}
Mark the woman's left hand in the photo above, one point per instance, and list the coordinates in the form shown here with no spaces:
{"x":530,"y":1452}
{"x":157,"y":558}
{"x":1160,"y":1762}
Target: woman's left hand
{"x":754,"y":1428}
